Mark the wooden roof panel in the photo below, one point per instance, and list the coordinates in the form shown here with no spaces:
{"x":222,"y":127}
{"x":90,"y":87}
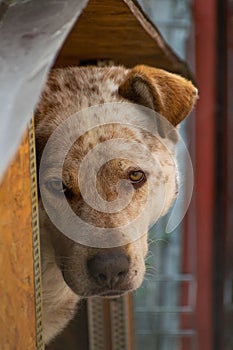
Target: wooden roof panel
{"x":118,"y":30}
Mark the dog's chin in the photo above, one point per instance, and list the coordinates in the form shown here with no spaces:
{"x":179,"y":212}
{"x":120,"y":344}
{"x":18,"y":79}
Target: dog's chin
{"x":111,"y":294}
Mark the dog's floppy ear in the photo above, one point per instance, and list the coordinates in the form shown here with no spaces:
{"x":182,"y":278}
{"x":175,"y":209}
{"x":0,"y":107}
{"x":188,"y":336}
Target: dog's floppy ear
{"x":168,"y":94}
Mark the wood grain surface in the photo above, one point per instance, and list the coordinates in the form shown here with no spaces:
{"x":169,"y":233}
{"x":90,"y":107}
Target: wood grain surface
{"x":17,"y":309}
{"x":118,"y":30}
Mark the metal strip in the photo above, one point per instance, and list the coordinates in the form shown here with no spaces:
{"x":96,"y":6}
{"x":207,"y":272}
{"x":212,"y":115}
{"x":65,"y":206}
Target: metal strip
{"x":117,"y":321}
{"x":36,"y":239}
{"x":121,"y":323}
{"x":96,"y":324}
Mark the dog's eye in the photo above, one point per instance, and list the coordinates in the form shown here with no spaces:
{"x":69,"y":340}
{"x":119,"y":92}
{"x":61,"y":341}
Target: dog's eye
{"x":56,"y":186}
{"x":137,"y":177}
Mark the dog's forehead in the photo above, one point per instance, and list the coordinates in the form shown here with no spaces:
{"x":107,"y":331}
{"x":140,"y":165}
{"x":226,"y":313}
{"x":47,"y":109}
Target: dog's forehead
{"x":75,"y":89}
{"x":86,"y":86}
{"x":103,"y":147}
{"x":109,"y":135}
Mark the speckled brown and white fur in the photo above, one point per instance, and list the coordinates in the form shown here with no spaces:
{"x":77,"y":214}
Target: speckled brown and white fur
{"x":65,"y":275}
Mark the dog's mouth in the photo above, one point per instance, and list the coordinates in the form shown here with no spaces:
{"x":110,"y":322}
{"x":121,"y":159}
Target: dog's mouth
{"x":112,"y":293}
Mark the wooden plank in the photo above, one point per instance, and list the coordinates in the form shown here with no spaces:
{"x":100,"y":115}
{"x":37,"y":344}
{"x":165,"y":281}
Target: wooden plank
{"x":17,"y":304}
{"x":227,"y":183}
{"x":119,"y":31}
{"x":205,"y":133}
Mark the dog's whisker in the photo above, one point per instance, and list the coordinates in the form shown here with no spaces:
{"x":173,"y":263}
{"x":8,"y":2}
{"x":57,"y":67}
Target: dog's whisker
{"x":161,"y":240}
{"x":152,"y":272}
{"x":151,"y":241}
{"x":149,"y":274}
{"x":150,"y":255}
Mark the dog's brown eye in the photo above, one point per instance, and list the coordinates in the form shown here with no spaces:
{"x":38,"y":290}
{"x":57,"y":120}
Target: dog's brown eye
{"x":137,"y":176}
{"x":56,"y":186}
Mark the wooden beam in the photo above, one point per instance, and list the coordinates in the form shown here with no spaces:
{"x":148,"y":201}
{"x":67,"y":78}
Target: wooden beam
{"x":17,"y":302}
{"x":205,"y":131}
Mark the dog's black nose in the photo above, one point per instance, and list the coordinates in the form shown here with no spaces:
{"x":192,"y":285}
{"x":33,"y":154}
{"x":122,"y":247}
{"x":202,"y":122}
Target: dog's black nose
{"x":109,"y":270}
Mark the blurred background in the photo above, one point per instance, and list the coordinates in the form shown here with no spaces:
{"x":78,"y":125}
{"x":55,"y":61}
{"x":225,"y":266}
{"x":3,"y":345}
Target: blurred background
{"x":186,"y":300}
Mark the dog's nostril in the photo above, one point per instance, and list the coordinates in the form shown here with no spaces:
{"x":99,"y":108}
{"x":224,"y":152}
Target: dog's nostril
{"x":102,"y":277}
{"x":120,"y":274}
{"x":108,"y":270}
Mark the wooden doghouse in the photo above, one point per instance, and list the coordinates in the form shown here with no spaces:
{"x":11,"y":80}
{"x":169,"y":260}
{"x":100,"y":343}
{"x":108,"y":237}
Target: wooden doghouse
{"x":108,"y":31}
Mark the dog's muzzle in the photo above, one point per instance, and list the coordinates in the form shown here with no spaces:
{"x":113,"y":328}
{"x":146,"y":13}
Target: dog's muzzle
{"x":109,"y":270}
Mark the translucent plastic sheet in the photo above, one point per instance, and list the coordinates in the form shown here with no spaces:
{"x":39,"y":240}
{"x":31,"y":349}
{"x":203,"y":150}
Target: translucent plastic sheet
{"x":31,"y":32}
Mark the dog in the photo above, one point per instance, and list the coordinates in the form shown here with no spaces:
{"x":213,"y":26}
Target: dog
{"x":72,"y":270}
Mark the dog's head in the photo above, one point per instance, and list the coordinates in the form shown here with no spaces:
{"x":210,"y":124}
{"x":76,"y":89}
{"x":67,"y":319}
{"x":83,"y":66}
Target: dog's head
{"x":138,"y":153}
